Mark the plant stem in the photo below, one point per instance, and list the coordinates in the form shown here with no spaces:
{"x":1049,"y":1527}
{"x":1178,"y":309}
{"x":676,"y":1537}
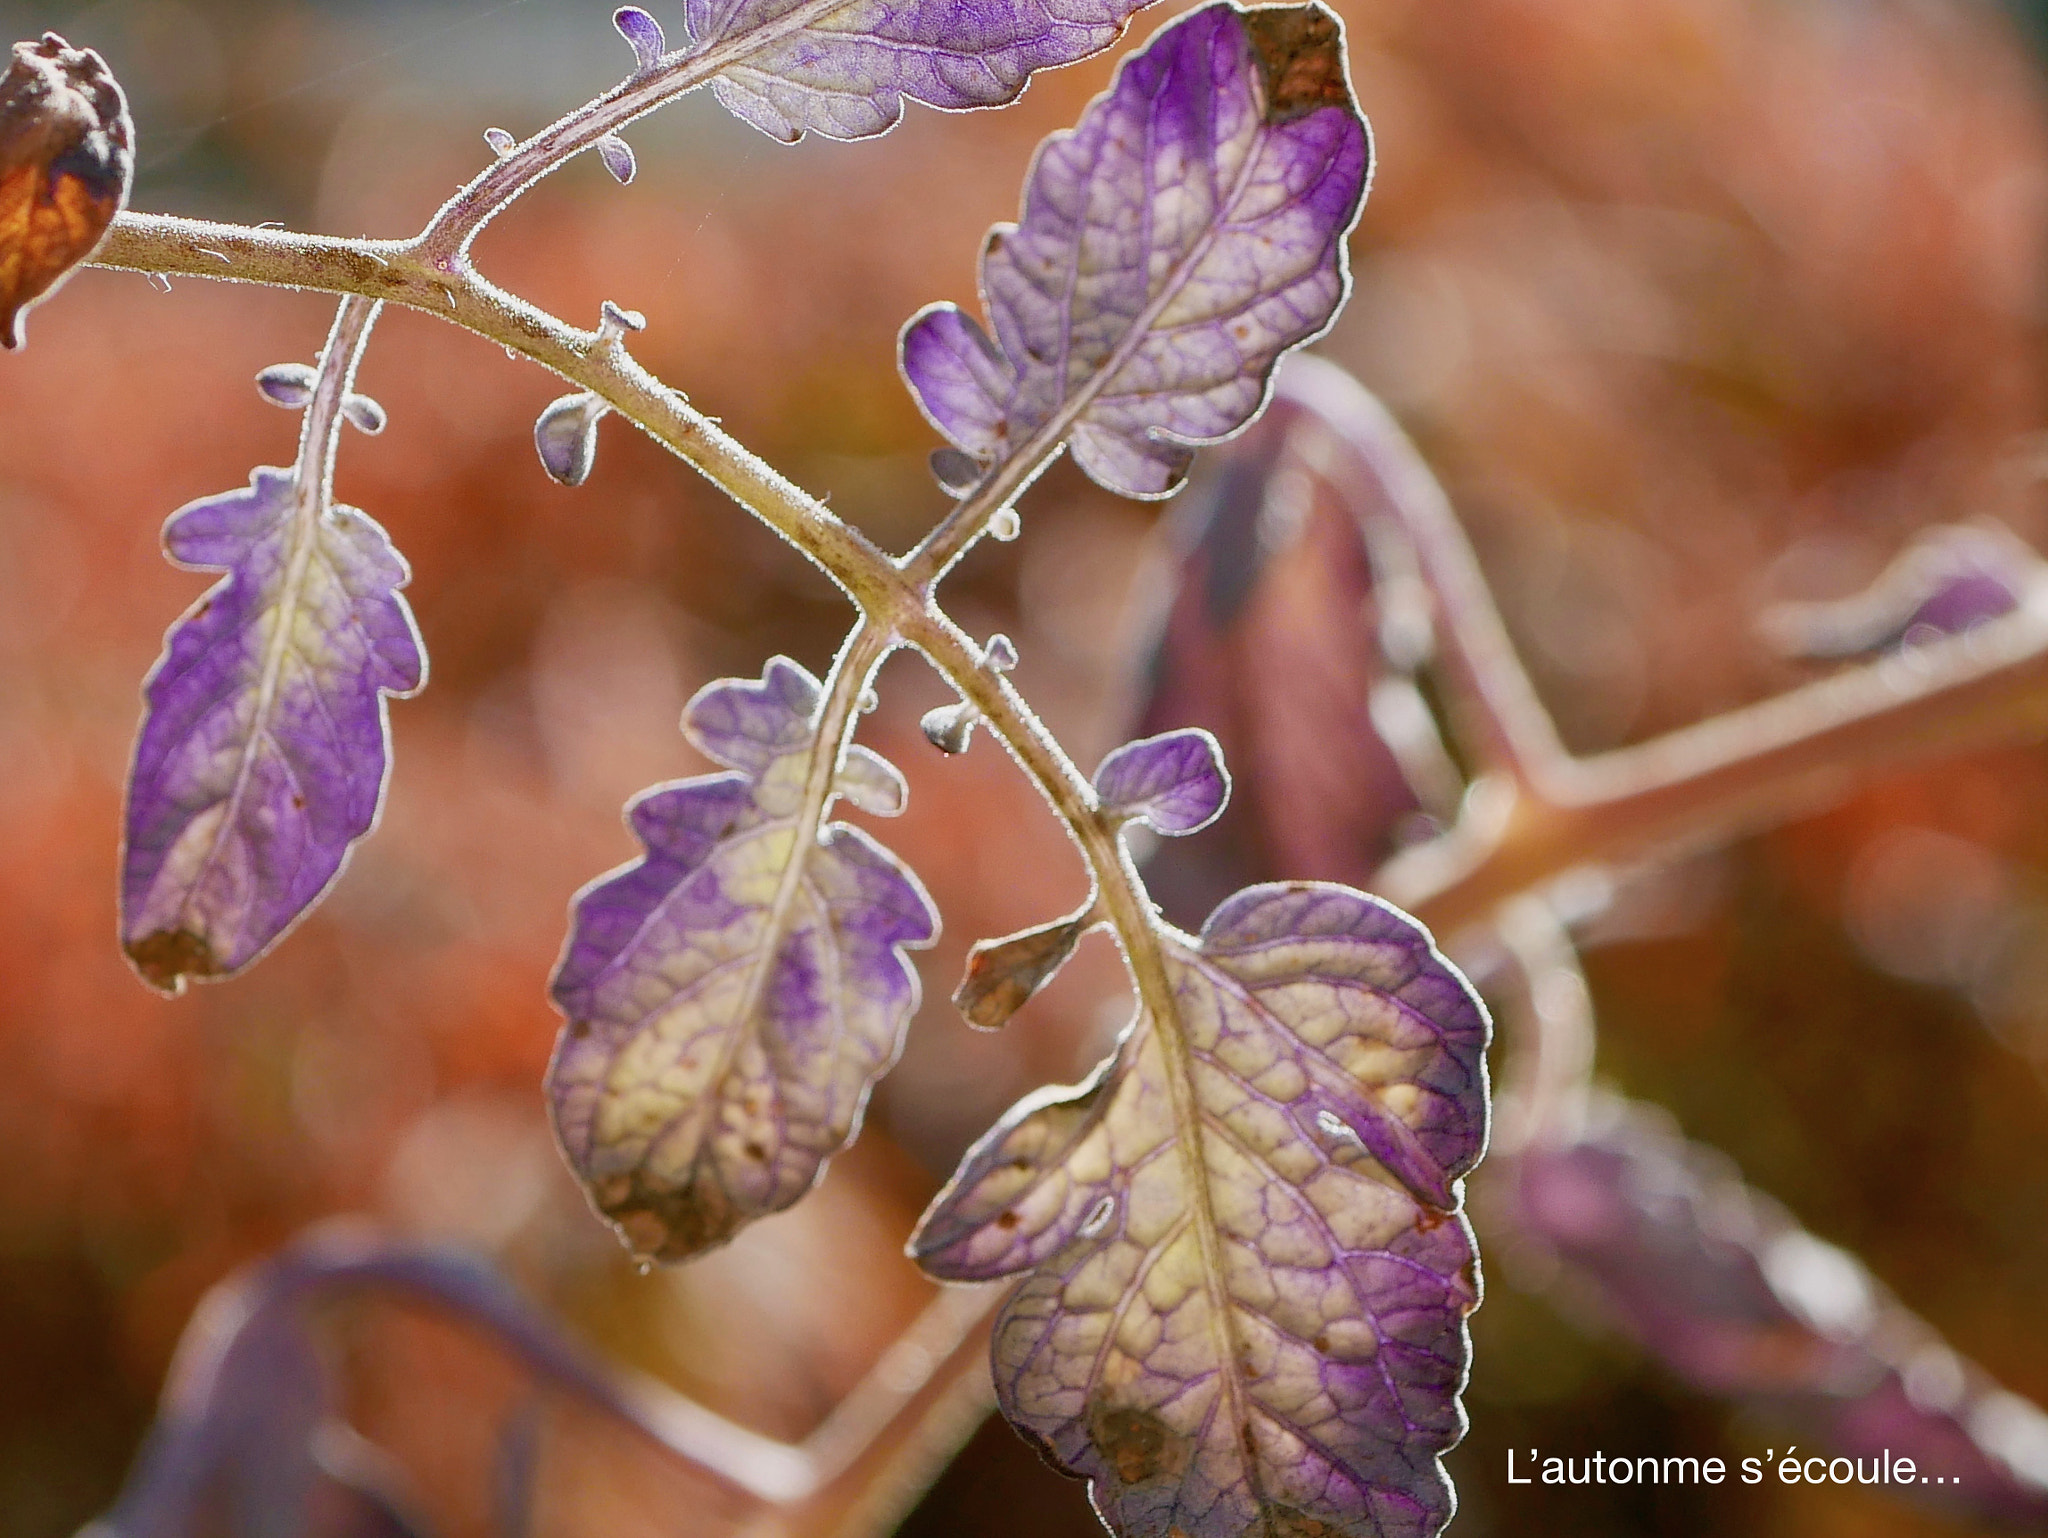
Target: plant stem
{"x":889,"y":597}
{"x":1535,"y":811}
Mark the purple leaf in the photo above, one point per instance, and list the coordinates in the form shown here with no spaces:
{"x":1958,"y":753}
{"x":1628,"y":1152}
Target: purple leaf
{"x":1173,"y":245}
{"x":1725,"y":1288}
{"x":643,"y":32}
{"x":248,"y":1443}
{"x":843,"y":70}
{"x":733,"y":995}
{"x":1295,"y":616}
{"x":1246,"y":1270}
{"x":1174,"y":783}
{"x":264,"y":750}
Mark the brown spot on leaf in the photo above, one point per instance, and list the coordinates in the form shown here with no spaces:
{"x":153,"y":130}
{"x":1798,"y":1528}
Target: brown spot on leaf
{"x":757,"y":1153}
{"x":578,"y":1029}
{"x":668,"y":1224}
{"x":1293,"y":1522}
{"x":1321,"y":1344}
{"x":1137,"y":1444}
{"x":166,"y":958}
{"x":66,"y":161}
{"x":1429,"y":1219}
{"x":1300,"y":52}
{"x":1007,"y":1220}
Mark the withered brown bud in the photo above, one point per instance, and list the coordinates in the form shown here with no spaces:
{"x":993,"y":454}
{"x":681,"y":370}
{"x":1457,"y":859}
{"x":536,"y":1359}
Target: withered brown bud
{"x":66,"y":160}
{"x":1002,"y":974}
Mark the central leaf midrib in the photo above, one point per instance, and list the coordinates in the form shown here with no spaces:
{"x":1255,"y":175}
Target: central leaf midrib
{"x":1063,"y":421}
{"x":305,"y":520}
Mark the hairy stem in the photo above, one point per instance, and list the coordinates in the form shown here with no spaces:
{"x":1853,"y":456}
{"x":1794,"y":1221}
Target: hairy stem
{"x":888,"y":596}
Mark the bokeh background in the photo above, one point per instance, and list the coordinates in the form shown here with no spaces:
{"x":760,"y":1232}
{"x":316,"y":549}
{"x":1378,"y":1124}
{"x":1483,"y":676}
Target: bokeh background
{"x":1694,"y":304}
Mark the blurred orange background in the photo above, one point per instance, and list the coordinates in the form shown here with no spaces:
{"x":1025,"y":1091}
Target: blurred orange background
{"x":1694,"y":304}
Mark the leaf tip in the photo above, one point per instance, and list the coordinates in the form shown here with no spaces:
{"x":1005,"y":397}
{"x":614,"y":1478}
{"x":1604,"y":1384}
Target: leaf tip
{"x":1300,"y":53}
{"x":170,"y":956}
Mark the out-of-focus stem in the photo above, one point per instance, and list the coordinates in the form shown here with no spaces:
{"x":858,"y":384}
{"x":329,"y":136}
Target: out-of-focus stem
{"x":1735,"y":773}
{"x":1550,"y":1063}
{"x":922,"y":1398}
{"x":1536,"y":812}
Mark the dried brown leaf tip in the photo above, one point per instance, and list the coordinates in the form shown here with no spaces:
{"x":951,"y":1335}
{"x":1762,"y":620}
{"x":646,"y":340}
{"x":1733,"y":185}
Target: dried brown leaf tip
{"x":66,"y":160}
{"x":1301,"y":59}
{"x":1002,"y":974}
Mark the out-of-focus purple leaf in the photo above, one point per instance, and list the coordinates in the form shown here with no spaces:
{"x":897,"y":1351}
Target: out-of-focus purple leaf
{"x":1725,"y":1288}
{"x":1187,"y":233}
{"x":842,"y":68}
{"x":733,"y":995}
{"x":1174,"y":783}
{"x":1246,"y":1270}
{"x":1292,"y":619}
{"x":265,"y":748}
{"x":1951,"y":578}
{"x":248,"y":1444}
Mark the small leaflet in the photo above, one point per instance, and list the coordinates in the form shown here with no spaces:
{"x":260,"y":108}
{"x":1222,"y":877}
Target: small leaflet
{"x":1174,"y":783}
{"x":618,"y":159}
{"x":266,"y":744}
{"x":1723,"y":1286}
{"x":1246,"y":1268}
{"x":642,"y":33}
{"x":1002,"y":975}
{"x":733,"y":995}
{"x":565,"y":436}
{"x":67,"y":159}
{"x":842,"y":68}
{"x":289,"y":385}
{"x":1173,"y":246}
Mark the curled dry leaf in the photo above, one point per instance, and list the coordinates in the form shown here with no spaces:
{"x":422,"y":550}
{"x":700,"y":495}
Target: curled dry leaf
{"x":1003,"y":974}
{"x":66,"y":161}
